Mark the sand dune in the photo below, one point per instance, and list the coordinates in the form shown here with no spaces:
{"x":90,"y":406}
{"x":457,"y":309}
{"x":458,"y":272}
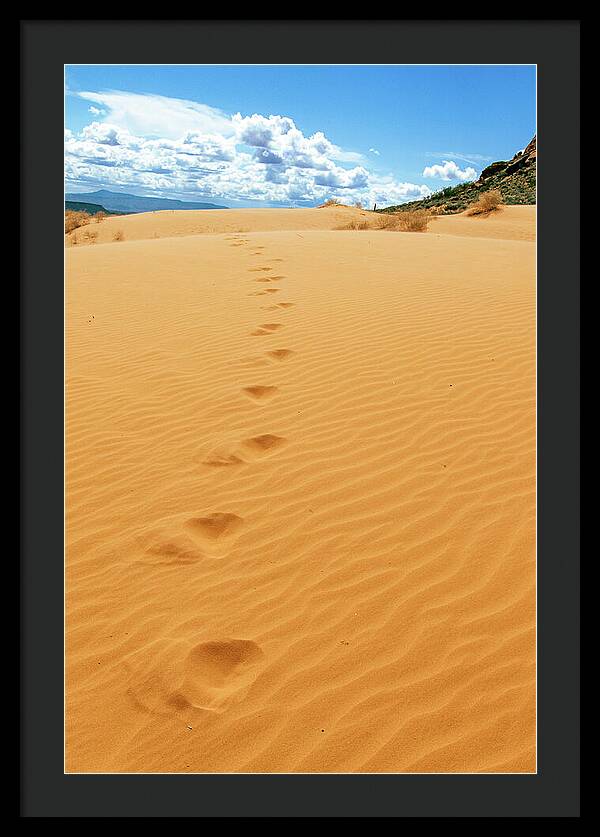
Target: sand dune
{"x":301,"y":511}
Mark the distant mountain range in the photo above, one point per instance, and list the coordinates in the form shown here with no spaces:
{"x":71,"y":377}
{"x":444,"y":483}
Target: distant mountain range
{"x":122,"y":202}
{"x":90,"y":208}
{"x":515,"y":179}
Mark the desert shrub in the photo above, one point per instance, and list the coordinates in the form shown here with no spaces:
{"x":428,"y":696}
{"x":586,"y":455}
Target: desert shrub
{"x":487,"y":202}
{"x":387,"y":221}
{"x":90,"y":235}
{"x":355,"y":225}
{"x":330,"y":202}
{"x":413,"y":220}
{"x":75,"y":219}
{"x":358,"y":205}
{"x":118,"y":236}
{"x":99,"y":217}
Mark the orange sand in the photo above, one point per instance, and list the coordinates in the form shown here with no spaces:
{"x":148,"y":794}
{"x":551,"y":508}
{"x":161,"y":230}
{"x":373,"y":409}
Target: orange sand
{"x":301,"y":495}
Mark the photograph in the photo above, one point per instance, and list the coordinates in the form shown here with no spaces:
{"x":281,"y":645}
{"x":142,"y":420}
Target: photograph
{"x":300,"y":418}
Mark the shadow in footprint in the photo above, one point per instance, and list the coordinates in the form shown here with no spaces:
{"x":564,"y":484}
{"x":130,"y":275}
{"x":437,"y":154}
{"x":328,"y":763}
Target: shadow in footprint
{"x":259,"y":393}
{"x":171,"y":553}
{"x":264,"y":443}
{"x":280,"y":354}
{"x":266,"y":328}
{"x":222,"y":460}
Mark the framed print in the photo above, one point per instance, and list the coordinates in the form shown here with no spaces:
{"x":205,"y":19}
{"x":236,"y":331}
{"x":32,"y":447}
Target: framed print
{"x":300,"y":518}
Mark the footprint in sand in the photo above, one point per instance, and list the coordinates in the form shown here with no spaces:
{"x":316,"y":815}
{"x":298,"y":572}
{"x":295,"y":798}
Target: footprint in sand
{"x":167,"y":680}
{"x":266,"y":291}
{"x":264,"y":443}
{"x":266,"y":328}
{"x":215,"y":672}
{"x":179,"y":551}
{"x":260,"y":393}
{"x":259,"y":269}
{"x":280,"y":354}
{"x":222,"y":460}
{"x":216,"y":532}
{"x":278,"y":305}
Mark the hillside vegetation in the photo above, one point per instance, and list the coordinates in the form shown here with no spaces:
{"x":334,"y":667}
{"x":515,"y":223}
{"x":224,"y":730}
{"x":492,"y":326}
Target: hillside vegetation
{"x":515,"y":179}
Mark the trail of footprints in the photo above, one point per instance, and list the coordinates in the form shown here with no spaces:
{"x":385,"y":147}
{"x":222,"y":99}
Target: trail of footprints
{"x":214,"y":673}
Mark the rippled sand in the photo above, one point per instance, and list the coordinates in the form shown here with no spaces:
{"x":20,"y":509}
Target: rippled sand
{"x":301,"y":494}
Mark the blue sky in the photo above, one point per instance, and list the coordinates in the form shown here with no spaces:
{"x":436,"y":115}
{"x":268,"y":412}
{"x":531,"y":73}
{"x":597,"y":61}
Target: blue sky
{"x":291,"y":135}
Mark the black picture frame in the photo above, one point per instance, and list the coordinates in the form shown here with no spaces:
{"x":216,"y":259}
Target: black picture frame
{"x":46,"y":46}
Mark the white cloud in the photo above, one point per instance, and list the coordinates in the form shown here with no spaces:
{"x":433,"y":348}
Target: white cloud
{"x":96,"y":111}
{"x":374,"y":151}
{"x":149,"y":115}
{"x":191,"y":150}
{"x":450,"y":171}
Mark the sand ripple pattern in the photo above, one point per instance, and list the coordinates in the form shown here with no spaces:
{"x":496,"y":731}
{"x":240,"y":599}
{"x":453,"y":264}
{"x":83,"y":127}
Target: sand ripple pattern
{"x":301,"y":540}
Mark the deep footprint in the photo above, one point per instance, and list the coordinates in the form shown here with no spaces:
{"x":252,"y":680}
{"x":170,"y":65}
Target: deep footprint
{"x":215,"y":526}
{"x":260,"y":392}
{"x":215,"y":671}
{"x":265,"y":442}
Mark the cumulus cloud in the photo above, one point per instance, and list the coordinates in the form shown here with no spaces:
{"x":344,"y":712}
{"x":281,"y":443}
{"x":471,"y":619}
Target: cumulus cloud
{"x":190,"y":150}
{"x":450,"y":171}
{"x":374,"y":151}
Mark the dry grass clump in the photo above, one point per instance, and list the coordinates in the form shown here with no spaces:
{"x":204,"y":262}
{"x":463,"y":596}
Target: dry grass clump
{"x":355,"y":225}
{"x":99,"y":217}
{"x":90,"y":235}
{"x":118,"y":236}
{"x":488,"y":202}
{"x":415,"y":220}
{"x":387,"y":221}
{"x":330,"y":202}
{"x":74,"y":220}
